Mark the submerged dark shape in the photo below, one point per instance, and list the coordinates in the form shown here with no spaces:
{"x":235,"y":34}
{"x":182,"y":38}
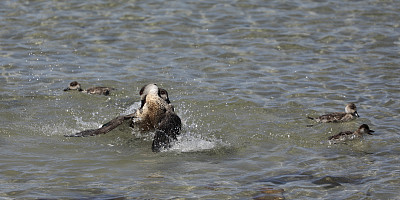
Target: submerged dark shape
{"x":287,"y":178}
{"x":74,"y":85}
{"x":155,"y":114}
{"x":334,"y":181}
{"x":349,"y":114}
{"x":270,"y":193}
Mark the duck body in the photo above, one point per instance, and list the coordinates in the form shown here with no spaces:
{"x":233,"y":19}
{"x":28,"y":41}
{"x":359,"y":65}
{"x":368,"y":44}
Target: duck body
{"x":336,"y":117}
{"x":156,"y":114}
{"x":99,"y":90}
{"x":74,"y":85}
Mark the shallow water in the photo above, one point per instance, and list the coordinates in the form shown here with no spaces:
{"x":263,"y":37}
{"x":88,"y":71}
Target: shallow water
{"x":242,"y":75}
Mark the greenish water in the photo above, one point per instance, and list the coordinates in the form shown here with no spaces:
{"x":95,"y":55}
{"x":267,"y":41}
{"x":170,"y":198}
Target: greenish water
{"x":242,"y":75}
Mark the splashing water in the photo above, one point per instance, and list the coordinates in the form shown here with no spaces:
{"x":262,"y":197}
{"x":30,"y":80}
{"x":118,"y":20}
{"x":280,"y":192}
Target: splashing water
{"x":131,"y":109}
{"x":192,"y":143}
{"x":190,"y":139}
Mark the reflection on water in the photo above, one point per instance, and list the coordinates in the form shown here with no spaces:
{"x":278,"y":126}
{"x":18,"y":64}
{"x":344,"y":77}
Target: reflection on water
{"x":243,"y":77}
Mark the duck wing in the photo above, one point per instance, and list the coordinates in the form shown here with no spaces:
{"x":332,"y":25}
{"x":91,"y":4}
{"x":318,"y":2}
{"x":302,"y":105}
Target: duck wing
{"x":339,"y":135}
{"x":107,"y":127}
{"x":167,"y":131}
{"x":332,"y":117}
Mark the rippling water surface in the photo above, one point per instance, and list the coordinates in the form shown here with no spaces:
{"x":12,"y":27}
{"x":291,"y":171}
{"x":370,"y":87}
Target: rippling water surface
{"x":243,"y":76}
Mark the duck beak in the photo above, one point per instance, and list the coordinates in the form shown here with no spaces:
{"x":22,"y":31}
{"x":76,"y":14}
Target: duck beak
{"x":370,"y":132}
{"x":356,"y":114}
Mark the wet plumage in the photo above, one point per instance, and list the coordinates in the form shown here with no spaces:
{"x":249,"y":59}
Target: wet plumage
{"x":157,"y":114}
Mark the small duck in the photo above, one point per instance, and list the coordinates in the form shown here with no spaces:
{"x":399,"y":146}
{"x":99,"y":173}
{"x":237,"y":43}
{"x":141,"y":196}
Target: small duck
{"x":348,"y":135}
{"x":349,"y":114}
{"x":74,"y":85}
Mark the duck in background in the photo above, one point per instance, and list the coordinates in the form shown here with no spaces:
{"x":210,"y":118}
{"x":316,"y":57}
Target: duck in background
{"x":74,"y":85}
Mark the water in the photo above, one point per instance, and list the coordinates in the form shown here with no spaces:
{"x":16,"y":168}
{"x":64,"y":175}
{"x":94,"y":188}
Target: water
{"x":243,"y":76}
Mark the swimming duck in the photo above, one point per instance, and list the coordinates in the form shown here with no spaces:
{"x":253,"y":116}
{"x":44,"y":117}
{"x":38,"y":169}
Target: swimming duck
{"x":349,"y":135}
{"x":155,"y":114}
{"x":74,"y":85}
{"x":349,"y":114}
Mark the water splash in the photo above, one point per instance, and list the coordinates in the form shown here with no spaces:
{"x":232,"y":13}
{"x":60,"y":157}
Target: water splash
{"x":62,"y":128}
{"x":131,"y":109}
{"x":55,"y":129}
{"x":86,"y":125}
{"x":193,"y":143}
{"x":196,"y":135}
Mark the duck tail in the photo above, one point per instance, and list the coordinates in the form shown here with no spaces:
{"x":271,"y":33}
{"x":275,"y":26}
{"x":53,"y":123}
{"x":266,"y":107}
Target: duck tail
{"x":310,"y":118}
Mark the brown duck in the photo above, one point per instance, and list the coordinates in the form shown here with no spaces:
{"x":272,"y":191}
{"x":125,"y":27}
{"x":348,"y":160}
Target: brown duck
{"x":74,"y":85}
{"x":155,"y":114}
{"x":350,"y":135}
{"x":349,"y":114}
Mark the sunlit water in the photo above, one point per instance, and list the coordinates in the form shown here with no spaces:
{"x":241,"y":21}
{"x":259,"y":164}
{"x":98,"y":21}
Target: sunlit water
{"x":242,"y":75}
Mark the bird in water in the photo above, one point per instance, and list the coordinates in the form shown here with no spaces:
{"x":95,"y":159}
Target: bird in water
{"x":350,"y":135}
{"x":74,"y":85}
{"x":155,"y":114}
{"x":349,"y":114}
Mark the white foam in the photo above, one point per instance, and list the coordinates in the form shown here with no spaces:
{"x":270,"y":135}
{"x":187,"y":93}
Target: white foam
{"x":190,"y":140}
{"x":191,"y":143}
{"x":131,"y":109}
{"x":57,"y":129}
{"x":86,"y":125}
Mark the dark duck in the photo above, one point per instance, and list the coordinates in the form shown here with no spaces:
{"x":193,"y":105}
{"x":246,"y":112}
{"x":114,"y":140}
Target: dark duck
{"x":350,"y":135}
